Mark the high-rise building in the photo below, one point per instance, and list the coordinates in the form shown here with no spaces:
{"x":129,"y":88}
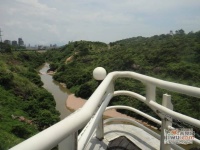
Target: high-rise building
{"x":14,"y":43}
{"x":54,"y":46}
{"x":20,"y":42}
{"x":7,"y":42}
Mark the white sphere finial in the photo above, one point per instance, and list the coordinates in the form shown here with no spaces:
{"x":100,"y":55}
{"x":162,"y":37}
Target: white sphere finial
{"x":99,"y":73}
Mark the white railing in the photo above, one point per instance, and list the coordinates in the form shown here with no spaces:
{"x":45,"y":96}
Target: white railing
{"x":90,"y":115}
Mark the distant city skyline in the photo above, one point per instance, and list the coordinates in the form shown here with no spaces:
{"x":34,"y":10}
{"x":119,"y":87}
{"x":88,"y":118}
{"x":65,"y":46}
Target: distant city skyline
{"x":20,"y":42}
{"x":49,"y":21}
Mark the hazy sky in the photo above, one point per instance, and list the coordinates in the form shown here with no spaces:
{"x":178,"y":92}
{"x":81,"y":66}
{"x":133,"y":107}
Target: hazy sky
{"x":60,"y":21}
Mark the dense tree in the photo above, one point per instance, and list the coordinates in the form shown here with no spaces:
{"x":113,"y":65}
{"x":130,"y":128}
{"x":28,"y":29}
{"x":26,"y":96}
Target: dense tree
{"x":5,"y":48}
{"x":170,"y":57}
{"x":24,"y":104}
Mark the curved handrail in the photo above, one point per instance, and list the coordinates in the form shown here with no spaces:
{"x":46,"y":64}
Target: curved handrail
{"x":195,"y":140}
{"x":154,"y":134}
{"x":171,"y":86}
{"x":63,"y":128}
{"x":136,"y":111}
{"x":83,"y":140}
{"x":161,"y":108}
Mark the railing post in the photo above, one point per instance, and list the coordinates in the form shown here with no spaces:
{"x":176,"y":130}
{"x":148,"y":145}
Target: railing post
{"x":99,"y":74}
{"x":100,"y":130}
{"x":165,"y":123}
{"x":150,"y":92}
{"x":151,"y":95}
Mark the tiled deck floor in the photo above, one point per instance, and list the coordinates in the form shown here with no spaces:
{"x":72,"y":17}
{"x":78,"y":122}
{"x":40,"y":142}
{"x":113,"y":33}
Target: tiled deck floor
{"x":139,"y":137}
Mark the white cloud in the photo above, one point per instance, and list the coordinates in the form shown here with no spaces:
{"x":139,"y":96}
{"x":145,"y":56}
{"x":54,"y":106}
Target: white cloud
{"x":60,"y":21}
{"x":35,"y":4}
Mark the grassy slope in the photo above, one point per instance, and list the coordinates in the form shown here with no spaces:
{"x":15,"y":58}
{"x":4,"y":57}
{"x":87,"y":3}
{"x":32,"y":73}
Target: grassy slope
{"x":21,"y":94}
{"x":173,"y":58}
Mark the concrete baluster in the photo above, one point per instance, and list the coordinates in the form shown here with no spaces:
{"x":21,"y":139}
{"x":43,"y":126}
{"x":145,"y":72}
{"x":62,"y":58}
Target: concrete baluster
{"x":100,"y":127}
{"x":100,"y":130}
{"x":150,"y":92}
{"x":166,"y":121}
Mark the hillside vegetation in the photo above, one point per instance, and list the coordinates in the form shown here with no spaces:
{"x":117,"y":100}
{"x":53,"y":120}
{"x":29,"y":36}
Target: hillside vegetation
{"x":25,"y":107}
{"x":172,"y":57}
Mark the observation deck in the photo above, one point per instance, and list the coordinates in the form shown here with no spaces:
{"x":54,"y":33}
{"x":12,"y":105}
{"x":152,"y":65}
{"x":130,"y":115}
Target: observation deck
{"x":117,"y":133}
{"x":123,"y":136}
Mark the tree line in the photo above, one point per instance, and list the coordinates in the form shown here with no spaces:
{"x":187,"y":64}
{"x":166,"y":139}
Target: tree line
{"x":173,"y":57}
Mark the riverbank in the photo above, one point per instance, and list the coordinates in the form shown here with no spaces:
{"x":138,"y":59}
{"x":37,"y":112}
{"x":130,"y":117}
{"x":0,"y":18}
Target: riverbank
{"x":73,"y":103}
{"x":60,"y":95}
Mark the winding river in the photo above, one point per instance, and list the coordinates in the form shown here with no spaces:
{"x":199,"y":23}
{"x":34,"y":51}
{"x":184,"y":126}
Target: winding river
{"x":60,"y":95}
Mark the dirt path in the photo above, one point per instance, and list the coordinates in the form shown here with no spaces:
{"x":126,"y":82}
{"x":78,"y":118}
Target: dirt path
{"x":74,"y":103}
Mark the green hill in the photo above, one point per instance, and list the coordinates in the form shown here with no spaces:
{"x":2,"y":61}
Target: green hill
{"x":171,"y":57}
{"x":25,"y":107}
